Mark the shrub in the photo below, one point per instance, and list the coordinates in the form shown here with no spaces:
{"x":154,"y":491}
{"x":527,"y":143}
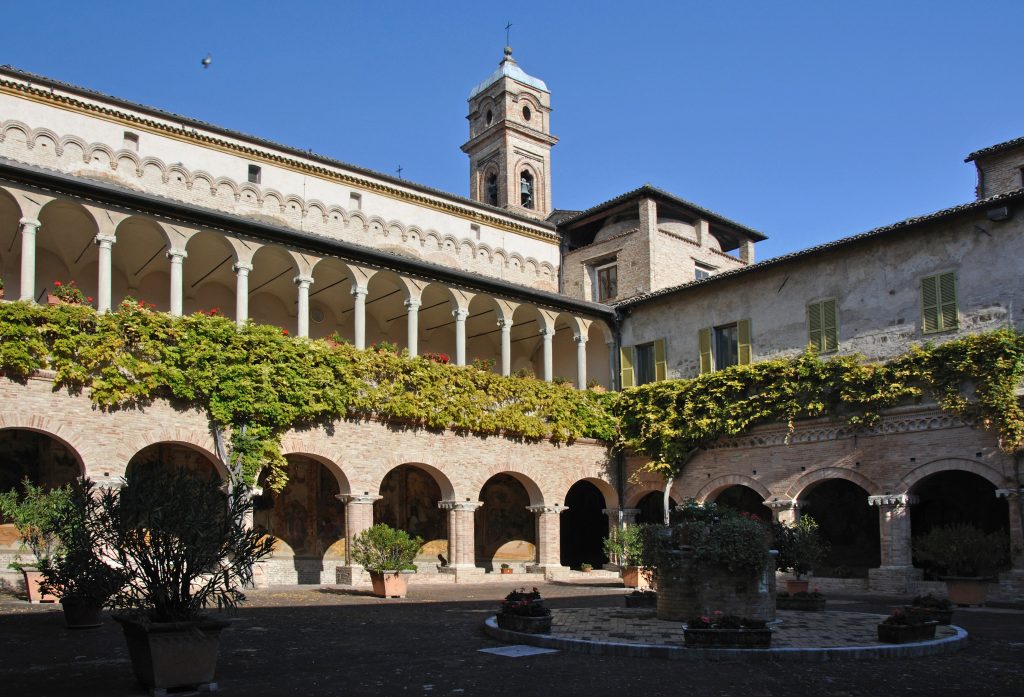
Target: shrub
{"x":35,"y":514}
{"x":800,"y":545}
{"x":962,"y":550}
{"x":382,"y":548}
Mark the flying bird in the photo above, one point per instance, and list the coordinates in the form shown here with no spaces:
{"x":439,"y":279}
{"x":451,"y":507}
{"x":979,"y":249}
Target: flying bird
{"x":207,"y":60}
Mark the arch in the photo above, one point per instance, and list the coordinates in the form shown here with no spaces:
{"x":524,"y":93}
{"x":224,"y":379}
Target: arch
{"x":181,"y":448}
{"x":811,"y":478}
{"x":250,"y":193}
{"x":200,"y":441}
{"x":513,"y":470}
{"x":106,"y":150}
{"x":713,"y":488}
{"x":916,"y":475}
{"x":293,"y":203}
{"x":70,"y":438}
{"x":650,"y":504}
{"x":504,"y":528}
{"x":425,"y":464}
{"x":229,"y":184}
{"x":271,"y":198}
{"x":318,"y":208}
{"x":181,"y":174}
{"x":76,"y":142}
{"x":584,"y":525}
{"x":410,"y":494}
{"x":155,"y":162}
{"x":848,"y":522}
{"x":17,"y":127}
{"x":330,"y":458}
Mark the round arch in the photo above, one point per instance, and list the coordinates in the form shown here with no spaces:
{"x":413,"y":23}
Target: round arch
{"x":719,"y":484}
{"x":208,"y":277}
{"x":198,"y":442}
{"x":510,"y":469}
{"x":847,"y":522}
{"x":59,"y":431}
{"x":807,"y":481}
{"x":504,"y":527}
{"x":921,"y":472}
{"x":584,"y":524}
{"x":410,"y":494}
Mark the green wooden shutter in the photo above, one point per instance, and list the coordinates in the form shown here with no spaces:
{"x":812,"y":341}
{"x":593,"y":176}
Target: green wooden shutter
{"x":814,"y":337}
{"x":660,"y":363}
{"x":930,"y":304}
{"x":704,"y":341}
{"x":743,"y":341}
{"x":626,"y":367}
{"x":829,"y":326}
{"x":947,"y":300}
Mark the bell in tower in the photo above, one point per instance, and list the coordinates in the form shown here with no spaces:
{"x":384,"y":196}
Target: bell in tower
{"x":509,"y":144}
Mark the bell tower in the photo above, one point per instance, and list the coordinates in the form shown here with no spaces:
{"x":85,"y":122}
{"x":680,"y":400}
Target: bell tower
{"x":510,"y":141}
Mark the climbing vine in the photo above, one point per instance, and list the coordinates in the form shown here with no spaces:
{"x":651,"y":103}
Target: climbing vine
{"x":259,"y":378}
{"x":974,"y":377}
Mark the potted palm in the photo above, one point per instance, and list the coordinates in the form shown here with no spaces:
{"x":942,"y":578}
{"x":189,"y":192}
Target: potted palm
{"x":75,"y":573}
{"x":388,"y":555}
{"x":800,"y":547}
{"x":183,"y":546}
{"x":34,"y":514}
{"x":966,"y":557}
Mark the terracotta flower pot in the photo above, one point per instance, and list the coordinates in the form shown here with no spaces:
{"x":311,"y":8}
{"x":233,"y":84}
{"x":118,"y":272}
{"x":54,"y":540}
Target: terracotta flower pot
{"x":633,"y":577}
{"x":32,"y":580}
{"x":506,"y":571}
{"x":390,"y":584}
{"x":797,"y":586}
{"x":965,"y":591}
{"x":168,"y":655}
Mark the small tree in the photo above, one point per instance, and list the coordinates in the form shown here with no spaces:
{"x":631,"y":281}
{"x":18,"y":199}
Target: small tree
{"x":962,"y":550}
{"x":625,"y":546}
{"x":382,"y":548}
{"x":801,"y":546}
{"x":35,"y":514}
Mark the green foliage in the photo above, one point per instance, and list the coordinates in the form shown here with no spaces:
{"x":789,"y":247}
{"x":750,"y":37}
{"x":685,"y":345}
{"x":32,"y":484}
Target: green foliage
{"x":382,"y":548}
{"x":182,"y":543}
{"x":36,"y":514}
{"x":269,"y":383}
{"x":668,"y":420}
{"x":962,"y":550}
{"x":625,"y":546}
{"x":800,"y":545}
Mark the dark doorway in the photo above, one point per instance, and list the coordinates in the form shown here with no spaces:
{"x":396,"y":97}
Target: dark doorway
{"x":584,"y":526}
{"x":652,"y":508}
{"x":745,"y":500}
{"x":848,"y":523}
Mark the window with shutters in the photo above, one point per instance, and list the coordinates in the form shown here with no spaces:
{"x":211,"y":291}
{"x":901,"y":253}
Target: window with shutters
{"x":725,"y":345}
{"x":643,"y":363}
{"x":823,"y":326}
{"x":607,"y":282}
{"x":938,"y":303}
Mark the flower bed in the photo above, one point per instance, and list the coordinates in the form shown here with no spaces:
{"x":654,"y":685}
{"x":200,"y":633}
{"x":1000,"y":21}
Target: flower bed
{"x":904,"y":627}
{"x":523,"y":611}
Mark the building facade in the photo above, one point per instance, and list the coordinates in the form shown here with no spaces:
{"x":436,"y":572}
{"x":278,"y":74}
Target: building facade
{"x":127,"y":200}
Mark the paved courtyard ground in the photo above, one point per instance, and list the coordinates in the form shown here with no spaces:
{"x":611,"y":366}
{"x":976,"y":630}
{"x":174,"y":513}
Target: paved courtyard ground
{"x":314,"y":641}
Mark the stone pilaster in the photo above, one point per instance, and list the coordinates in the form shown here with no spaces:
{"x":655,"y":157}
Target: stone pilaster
{"x":461,"y":537}
{"x":897,"y":573}
{"x":358,"y":517}
{"x":1013,"y":497}
{"x":549,"y":543}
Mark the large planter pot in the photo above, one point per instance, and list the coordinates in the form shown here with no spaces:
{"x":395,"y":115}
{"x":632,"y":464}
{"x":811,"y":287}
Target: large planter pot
{"x":797,"y":586}
{"x":80,"y":613}
{"x":633,"y":577}
{"x":966,"y":591}
{"x":807,"y":604}
{"x":32,"y":580}
{"x":522,"y":623}
{"x":390,"y":584}
{"x":906,"y":633}
{"x":689,"y":589}
{"x":169,"y":655}
{"x":728,"y":638}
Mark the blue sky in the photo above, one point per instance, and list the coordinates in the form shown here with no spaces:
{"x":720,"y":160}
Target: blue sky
{"x":807,"y":120}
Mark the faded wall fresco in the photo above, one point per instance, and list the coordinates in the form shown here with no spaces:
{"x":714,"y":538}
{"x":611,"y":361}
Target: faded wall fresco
{"x":410,"y":498}
{"x":505,"y":529}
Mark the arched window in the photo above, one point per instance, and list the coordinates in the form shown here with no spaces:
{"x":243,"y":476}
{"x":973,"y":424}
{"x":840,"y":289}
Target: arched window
{"x":492,"y":188}
{"x":526,"y":189}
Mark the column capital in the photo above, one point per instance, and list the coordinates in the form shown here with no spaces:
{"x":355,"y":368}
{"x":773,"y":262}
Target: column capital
{"x":1008,"y":493}
{"x":412,"y":303}
{"x":782,"y":504}
{"x":358,"y":499}
{"x":359,"y":290}
{"x":544,"y":508}
{"x":547,"y":333}
{"x":303,"y":279}
{"x":105,"y":240}
{"x":242,"y":268}
{"x":459,"y":505}
{"x":579,"y":338}
{"x":31,"y":222}
{"x":505,"y":324}
{"x":894,"y":500}
{"x":176,"y":255}
{"x":460,"y":314}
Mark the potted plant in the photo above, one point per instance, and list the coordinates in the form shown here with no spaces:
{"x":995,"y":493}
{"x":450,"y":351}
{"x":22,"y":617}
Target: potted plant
{"x":929,"y":607}
{"x":809,"y":601}
{"x":34,"y":514}
{"x":68,"y":293}
{"x":75,"y":573}
{"x":586,"y":567}
{"x":625,"y":547}
{"x":506,"y":569}
{"x":183,"y":546}
{"x":726,"y":631}
{"x":966,"y":557}
{"x":902,"y":627}
{"x":523,"y":611}
{"x":800,"y":547}
{"x":388,"y":555}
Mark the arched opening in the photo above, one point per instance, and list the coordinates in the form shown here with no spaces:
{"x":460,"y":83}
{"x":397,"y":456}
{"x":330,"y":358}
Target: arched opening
{"x":10,"y":245}
{"x":170,"y":455}
{"x":957,"y":497}
{"x":409,"y":498}
{"x":436,"y":323}
{"x":386,"y":314}
{"x":209,"y":281}
{"x":527,"y":195}
{"x":848,"y":523}
{"x":273,"y":296}
{"x":330,"y":301}
{"x":483,"y":335}
{"x":66,"y":249}
{"x":583,"y":526}
{"x":527,"y":344}
{"x":504,"y":529}
{"x":491,"y":188}
{"x":307,"y":519}
{"x":140,"y":268}
{"x":745,"y":500}
{"x":652,"y":508}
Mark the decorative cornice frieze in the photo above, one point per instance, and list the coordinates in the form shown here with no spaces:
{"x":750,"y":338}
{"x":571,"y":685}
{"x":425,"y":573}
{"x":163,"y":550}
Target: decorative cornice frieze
{"x":358,"y":499}
{"x":542,"y":509}
{"x":1008,"y":493}
{"x":782,"y":504}
{"x":459,"y":505}
{"x":894,"y":500}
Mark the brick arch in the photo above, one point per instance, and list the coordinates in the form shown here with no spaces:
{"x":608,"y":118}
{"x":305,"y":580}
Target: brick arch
{"x":611,"y":497}
{"x":330,"y":458}
{"x":812,"y":478}
{"x":948,"y":464}
{"x":720,"y":484}
{"x":636,"y":494}
{"x":60,"y":431}
{"x":443,"y":482}
{"x":200,"y":441}
{"x":532,"y":489}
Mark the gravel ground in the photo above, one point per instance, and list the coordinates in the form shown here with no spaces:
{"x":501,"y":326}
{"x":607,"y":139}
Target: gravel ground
{"x":315,"y":641}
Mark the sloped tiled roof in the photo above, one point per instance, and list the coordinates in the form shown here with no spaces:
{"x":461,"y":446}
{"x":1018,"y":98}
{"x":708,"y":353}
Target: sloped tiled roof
{"x":1006,"y":145}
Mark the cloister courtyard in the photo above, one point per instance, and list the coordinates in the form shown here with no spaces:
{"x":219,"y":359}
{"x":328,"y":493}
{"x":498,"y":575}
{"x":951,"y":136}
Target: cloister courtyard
{"x":325,"y":640}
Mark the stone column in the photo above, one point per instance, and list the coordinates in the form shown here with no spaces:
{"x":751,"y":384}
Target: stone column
{"x":412,"y":323}
{"x":303,"y":282}
{"x":461,"y":537}
{"x":29,"y":228}
{"x":549,"y":531}
{"x":359,"y":315}
{"x":897,"y":572}
{"x":613,"y":372}
{"x":581,"y":362}
{"x":784,"y":510}
{"x":358,"y":517}
{"x":105,"y":242}
{"x":1016,"y":532}
{"x":506,"y":346}
{"x":460,"y":316}
{"x":548,"y":335}
{"x":177,"y":257}
{"x":242,"y":270}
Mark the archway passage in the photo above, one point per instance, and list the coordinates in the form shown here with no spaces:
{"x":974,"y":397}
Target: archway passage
{"x":504,"y":529}
{"x":957,"y":497}
{"x":174,"y":455}
{"x":409,"y":501}
{"x":745,"y":500}
{"x":307,"y":519}
{"x":584,"y":526}
{"x":652,"y":508}
{"x":848,"y":523}
{"x":41,"y":459}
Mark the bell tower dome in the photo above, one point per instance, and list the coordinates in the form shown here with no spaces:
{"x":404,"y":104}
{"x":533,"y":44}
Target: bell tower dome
{"x":510,"y":141}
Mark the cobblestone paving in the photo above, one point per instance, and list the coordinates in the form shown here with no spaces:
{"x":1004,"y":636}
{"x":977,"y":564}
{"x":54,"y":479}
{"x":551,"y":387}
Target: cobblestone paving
{"x":793,"y":629}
